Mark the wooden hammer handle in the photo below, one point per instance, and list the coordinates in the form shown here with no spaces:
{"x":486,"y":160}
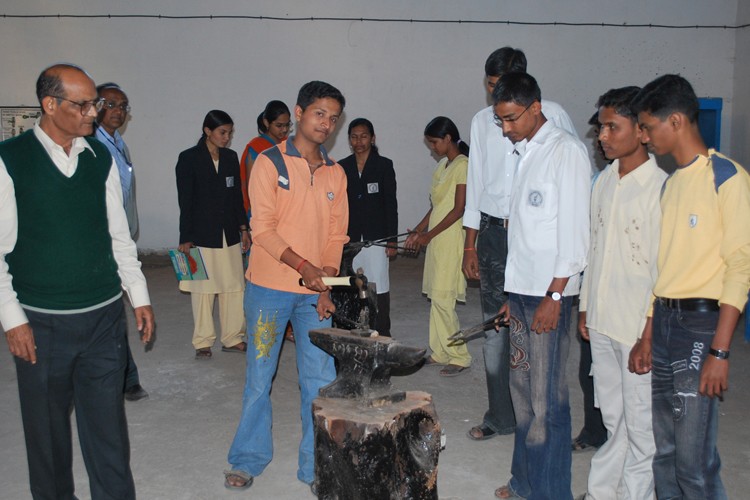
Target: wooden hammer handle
{"x":334,"y":281}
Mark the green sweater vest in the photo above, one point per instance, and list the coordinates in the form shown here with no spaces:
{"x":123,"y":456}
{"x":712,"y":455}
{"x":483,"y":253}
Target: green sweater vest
{"x":63,"y":257}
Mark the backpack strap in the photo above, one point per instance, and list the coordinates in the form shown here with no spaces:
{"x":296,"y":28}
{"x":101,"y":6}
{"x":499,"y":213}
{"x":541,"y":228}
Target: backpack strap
{"x":274,"y":154}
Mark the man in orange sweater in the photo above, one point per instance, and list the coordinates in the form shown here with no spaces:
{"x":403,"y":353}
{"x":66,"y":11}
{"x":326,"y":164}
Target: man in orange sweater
{"x":299,"y":224}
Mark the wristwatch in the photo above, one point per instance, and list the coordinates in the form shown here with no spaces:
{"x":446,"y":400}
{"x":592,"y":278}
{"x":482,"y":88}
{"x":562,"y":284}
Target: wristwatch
{"x":556,"y":296}
{"x":718,"y":353}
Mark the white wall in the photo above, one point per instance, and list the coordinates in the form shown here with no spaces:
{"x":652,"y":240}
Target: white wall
{"x":740,"y":149}
{"x":400,"y":75}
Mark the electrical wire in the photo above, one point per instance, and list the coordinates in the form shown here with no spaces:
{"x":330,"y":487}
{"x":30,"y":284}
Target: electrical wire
{"x":374,"y":20}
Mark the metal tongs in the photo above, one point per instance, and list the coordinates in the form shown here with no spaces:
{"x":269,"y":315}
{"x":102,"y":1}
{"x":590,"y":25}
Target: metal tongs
{"x":382,"y":242}
{"x":463,"y":336}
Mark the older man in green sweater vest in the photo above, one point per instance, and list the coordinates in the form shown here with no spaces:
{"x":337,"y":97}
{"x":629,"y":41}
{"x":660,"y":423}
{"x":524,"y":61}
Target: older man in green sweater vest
{"x":65,"y":257}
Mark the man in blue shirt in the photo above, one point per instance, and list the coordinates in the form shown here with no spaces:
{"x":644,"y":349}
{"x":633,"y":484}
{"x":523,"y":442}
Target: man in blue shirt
{"x":112,"y":116}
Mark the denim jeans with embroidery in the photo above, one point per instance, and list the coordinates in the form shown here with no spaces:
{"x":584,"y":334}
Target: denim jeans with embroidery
{"x":686,"y":463}
{"x":541,"y":453}
{"x":492,"y":250}
{"x":267,"y":312}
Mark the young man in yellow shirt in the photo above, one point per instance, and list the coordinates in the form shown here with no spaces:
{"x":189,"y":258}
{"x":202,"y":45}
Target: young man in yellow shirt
{"x":700,"y":290}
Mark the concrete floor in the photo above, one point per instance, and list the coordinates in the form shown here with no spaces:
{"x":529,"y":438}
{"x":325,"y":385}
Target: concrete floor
{"x":180,"y":435}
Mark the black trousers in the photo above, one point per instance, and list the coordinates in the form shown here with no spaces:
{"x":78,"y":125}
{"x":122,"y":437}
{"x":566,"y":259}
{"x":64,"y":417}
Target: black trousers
{"x":383,"y":321}
{"x":593,"y":432}
{"x":81,"y":360}
{"x":131,"y":374}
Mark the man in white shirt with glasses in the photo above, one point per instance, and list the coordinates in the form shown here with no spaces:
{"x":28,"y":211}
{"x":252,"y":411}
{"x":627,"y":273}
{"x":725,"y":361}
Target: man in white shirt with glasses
{"x":488,"y":187}
{"x":548,"y":238}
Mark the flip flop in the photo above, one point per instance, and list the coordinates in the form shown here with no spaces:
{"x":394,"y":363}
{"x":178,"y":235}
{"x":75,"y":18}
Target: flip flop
{"x":203,"y":353}
{"x":244,"y":476}
{"x":452,"y":370}
{"x":289,"y":333}
{"x":430,"y":361}
{"x":241,"y":347}
{"x":486,"y":433}
{"x":506,"y":493}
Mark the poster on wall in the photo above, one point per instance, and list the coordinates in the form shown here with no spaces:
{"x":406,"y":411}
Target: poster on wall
{"x":17,"y":119}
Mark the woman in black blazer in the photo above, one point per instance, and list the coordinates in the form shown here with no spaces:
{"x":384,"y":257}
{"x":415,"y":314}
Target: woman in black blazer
{"x":373,"y":211}
{"x":212,"y":218}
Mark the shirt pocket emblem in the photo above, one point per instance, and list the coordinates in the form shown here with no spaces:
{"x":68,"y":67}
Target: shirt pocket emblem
{"x":373,"y":188}
{"x":536,"y":199}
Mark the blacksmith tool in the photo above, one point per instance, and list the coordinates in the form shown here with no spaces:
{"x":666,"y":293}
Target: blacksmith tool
{"x":463,"y":336}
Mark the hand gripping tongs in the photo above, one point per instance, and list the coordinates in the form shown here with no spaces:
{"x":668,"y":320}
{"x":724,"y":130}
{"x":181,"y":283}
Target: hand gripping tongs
{"x":463,"y":336}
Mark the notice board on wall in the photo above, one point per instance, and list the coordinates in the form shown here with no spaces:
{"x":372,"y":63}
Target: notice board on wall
{"x":17,"y":119}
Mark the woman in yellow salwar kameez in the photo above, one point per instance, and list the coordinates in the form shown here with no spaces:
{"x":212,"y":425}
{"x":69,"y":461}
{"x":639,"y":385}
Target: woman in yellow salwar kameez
{"x":442,"y":233}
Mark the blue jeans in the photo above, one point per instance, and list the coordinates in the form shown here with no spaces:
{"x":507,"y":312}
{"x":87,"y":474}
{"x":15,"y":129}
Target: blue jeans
{"x":267,"y":312}
{"x":541,"y":453}
{"x":492,"y":250}
{"x":686,"y":463}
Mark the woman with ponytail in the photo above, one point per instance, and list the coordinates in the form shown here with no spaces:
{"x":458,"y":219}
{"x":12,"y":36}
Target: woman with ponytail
{"x":274,"y":124}
{"x":441,"y":231}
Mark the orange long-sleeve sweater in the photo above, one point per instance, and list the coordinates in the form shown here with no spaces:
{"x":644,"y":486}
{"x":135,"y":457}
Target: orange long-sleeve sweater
{"x":304,"y":212}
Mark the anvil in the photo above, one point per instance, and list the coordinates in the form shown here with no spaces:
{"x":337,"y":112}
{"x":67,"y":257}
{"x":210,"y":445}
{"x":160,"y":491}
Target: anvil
{"x":365,"y":363}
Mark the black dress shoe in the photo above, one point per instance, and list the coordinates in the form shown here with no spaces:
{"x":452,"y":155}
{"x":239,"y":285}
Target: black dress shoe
{"x":135,"y":393}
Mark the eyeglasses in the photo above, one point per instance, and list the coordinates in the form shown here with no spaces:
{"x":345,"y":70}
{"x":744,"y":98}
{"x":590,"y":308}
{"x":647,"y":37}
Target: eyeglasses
{"x":85,"y":106}
{"x":499,"y":121}
{"x":124,"y":107}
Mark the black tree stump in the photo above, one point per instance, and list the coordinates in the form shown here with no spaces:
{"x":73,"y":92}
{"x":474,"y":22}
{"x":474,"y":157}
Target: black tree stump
{"x":377,"y":449}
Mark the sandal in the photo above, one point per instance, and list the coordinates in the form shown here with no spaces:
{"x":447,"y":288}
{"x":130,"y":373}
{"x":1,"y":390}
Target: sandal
{"x":452,"y":370}
{"x":245,"y":479}
{"x":579,"y":446}
{"x":430,"y":361}
{"x":481,"y":433}
{"x":505,"y":492}
{"x":289,"y":333}
{"x":203,"y":353}
{"x":241,"y":347}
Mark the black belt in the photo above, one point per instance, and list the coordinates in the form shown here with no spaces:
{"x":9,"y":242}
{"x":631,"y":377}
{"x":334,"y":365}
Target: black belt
{"x":496,"y":221}
{"x":694,"y":305}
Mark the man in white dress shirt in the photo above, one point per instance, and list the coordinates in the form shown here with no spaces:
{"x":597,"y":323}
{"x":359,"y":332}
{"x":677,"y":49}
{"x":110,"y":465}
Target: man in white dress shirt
{"x":548,"y":239}
{"x":488,"y":187}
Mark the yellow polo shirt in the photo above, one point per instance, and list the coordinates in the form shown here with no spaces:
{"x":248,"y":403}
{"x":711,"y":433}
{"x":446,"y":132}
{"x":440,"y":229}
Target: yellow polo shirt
{"x":704,"y":251}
